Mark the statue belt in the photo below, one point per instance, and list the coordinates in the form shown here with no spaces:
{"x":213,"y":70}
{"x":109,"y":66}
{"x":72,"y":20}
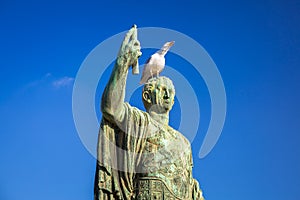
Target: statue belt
{"x":150,"y":188}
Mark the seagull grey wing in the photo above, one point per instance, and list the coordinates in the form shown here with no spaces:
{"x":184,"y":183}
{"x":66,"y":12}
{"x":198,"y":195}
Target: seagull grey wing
{"x":146,"y":72}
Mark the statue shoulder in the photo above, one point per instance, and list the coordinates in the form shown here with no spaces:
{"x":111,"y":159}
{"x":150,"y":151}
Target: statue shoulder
{"x":136,"y":113}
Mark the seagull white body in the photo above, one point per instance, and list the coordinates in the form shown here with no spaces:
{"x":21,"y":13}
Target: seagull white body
{"x":156,"y":63}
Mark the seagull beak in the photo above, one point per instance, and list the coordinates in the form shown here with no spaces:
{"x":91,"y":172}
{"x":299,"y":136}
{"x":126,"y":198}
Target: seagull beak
{"x":170,"y":44}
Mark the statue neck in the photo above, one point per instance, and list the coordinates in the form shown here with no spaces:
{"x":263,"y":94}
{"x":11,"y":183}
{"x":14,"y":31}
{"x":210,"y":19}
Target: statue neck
{"x":160,"y":118}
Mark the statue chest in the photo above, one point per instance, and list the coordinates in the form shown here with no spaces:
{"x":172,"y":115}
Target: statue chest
{"x":166,"y":156}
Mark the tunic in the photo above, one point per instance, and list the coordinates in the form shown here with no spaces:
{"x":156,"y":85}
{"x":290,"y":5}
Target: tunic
{"x":137,"y":152}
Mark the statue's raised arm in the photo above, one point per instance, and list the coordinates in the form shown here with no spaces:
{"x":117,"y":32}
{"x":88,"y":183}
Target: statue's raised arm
{"x":114,"y":93}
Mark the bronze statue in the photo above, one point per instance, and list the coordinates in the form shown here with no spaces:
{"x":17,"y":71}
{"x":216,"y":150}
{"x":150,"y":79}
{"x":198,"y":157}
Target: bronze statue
{"x":140,"y":157}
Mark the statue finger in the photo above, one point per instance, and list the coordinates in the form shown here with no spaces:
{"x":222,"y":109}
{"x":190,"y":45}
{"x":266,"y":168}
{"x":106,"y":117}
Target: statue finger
{"x":129,"y":36}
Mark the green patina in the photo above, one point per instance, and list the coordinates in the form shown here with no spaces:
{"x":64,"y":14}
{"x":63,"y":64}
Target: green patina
{"x":139,"y":155}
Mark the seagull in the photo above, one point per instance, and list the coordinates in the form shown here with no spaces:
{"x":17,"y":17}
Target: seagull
{"x":156,"y":63}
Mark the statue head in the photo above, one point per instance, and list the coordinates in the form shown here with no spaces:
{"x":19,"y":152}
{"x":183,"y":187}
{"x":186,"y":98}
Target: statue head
{"x":158,"y":95}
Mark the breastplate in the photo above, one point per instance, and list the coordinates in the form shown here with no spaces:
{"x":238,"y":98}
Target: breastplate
{"x":166,"y":163}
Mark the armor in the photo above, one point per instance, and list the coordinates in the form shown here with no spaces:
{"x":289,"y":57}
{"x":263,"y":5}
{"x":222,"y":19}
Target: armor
{"x":150,"y":188}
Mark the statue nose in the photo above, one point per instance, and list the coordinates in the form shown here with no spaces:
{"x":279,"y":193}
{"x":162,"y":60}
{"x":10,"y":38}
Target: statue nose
{"x":167,"y":94}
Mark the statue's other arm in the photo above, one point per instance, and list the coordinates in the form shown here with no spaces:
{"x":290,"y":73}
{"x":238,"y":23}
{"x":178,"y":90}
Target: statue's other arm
{"x":113,"y":96}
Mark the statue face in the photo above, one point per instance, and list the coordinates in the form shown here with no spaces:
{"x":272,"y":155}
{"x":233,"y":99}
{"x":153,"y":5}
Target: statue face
{"x":161,"y":97}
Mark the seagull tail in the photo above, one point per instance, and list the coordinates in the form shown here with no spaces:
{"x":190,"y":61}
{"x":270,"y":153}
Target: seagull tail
{"x":143,"y":81}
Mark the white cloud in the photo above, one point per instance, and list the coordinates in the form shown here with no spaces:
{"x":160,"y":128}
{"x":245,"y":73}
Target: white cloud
{"x":63,"y":82}
{"x":38,"y":82}
{"x":49,"y":80}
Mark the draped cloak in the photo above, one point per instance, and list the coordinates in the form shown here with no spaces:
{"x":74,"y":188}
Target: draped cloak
{"x":138,"y":146}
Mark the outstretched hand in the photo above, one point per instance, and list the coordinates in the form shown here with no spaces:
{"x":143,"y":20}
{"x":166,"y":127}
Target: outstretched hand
{"x":130,"y":49}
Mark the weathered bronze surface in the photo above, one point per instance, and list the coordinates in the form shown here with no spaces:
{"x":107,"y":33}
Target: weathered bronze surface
{"x":139,"y":155}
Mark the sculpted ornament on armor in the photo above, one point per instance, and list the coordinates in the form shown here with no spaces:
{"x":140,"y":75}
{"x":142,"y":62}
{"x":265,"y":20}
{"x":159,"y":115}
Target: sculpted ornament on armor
{"x":140,"y":157}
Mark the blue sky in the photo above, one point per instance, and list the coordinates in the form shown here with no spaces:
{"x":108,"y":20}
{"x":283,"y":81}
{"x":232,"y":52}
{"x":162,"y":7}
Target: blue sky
{"x":255,"y":45}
